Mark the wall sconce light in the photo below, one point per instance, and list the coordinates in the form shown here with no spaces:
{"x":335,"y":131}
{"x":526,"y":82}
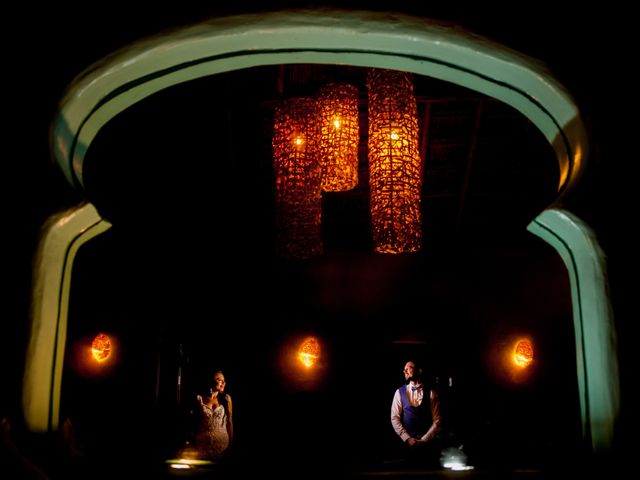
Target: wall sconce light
{"x":523,"y":353}
{"x":395,"y":166}
{"x":101,"y":347}
{"x":338,"y":136}
{"x":297,"y":179}
{"x":309,"y":352}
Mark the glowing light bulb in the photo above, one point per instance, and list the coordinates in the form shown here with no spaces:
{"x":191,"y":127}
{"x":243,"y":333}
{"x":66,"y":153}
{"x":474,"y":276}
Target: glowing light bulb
{"x":394,"y":136}
{"x":298,"y":141}
{"x":336,"y":123}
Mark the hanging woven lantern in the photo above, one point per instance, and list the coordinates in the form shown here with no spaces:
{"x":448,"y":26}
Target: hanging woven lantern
{"x":297,"y":177}
{"x":395,"y":166}
{"x":338,"y":136}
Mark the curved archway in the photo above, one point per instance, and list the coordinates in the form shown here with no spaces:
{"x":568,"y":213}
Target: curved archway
{"x":359,"y":39}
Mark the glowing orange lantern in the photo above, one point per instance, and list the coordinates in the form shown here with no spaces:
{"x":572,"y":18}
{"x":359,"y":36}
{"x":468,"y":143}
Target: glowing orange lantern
{"x":338,"y":136}
{"x":298,"y":177}
{"x":309,"y":352}
{"x":523,"y":353}
{"x":395,"y":166}
{"x":101,"y":347}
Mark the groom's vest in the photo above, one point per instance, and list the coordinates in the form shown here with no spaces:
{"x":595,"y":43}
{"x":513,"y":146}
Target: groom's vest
{"x":416,"y":420}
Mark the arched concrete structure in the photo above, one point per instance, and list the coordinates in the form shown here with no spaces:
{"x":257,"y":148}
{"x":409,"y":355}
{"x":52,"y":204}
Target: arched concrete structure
{"x":593,"y":325}
{"x":350,"y":38}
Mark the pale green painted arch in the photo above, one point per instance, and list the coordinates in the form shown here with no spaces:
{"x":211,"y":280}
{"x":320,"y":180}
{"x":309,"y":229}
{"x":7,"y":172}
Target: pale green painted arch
{"x":359,"y":39}
{"x":350,"y":38}
{"x":595,"y":335}
{"x":60,"y":240}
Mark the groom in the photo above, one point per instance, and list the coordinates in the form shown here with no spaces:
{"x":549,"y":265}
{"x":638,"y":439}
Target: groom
{"x":415,"y":412}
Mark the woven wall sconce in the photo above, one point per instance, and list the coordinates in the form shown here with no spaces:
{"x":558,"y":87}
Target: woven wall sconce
{"x":297,"y":179}
{"x":395,"y":167}
{"x":339,"y":135}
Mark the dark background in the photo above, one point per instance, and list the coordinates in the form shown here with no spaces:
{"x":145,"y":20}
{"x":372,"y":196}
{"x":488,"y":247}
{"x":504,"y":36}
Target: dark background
{"x":588,"y":51}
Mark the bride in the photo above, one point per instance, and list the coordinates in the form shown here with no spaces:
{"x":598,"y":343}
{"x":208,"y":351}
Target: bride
{"x":215,"y":431}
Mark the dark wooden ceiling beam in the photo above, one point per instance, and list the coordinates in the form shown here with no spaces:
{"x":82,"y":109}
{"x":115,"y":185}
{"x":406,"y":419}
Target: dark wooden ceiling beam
{"x":469,"y":167}
{"x":424,"y":139}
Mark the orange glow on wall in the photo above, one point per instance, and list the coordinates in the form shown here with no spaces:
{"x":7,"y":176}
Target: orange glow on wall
{"x":309,"y":352}
{"x":523,"y":353}
{"x":509,"y":358}
{"x":101,"y":347}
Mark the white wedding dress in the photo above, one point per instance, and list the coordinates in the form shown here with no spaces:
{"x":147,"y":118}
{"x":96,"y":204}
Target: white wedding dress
{"x":212,"y":437}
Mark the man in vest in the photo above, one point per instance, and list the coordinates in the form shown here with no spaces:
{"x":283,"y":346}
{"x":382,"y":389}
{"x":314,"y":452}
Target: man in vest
{"x":415,"y":411}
